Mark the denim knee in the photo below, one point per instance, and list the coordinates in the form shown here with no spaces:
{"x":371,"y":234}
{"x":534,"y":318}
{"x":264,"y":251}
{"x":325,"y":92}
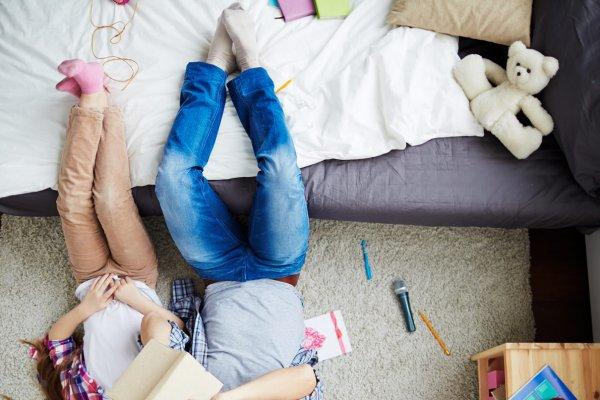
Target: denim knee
{"x":280,"y":165}
{"x":169,"y":179}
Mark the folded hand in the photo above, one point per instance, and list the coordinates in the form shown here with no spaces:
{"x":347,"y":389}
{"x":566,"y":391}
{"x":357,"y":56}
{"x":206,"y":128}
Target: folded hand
{"x":100,"y":294}
{"x":126,"y":291}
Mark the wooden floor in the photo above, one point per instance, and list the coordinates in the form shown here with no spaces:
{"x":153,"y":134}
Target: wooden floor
{"x":559,"y":284}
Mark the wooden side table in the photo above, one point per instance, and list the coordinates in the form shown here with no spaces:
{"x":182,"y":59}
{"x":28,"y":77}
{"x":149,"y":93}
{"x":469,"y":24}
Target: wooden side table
{"x":578,"y":365}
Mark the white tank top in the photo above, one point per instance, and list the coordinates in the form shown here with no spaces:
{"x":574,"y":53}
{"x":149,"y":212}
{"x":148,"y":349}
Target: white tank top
{"x":110,"y":336}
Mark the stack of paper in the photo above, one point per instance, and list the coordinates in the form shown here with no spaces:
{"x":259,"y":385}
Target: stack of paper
{"x":295,"y":9}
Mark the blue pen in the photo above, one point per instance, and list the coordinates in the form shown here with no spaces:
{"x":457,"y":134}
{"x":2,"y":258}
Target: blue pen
{"x":368,"y":270}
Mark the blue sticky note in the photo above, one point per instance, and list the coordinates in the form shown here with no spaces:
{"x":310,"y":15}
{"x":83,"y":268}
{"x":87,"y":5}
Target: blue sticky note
{"x":273,"y":3}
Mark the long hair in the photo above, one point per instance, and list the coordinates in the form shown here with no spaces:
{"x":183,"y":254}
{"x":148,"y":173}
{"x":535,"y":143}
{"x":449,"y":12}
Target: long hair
{"x":48,"y":375}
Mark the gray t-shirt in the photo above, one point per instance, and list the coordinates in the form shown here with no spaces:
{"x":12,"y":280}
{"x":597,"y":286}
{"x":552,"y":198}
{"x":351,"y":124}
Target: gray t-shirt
{"x":252,"y":328}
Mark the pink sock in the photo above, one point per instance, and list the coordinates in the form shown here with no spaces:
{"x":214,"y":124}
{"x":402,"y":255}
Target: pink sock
{"x":89,"y":76}
{"x":69,"y":85}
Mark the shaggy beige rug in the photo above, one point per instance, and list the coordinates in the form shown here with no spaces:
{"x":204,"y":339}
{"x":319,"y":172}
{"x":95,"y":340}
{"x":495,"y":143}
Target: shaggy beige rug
{"x":473,"y":283}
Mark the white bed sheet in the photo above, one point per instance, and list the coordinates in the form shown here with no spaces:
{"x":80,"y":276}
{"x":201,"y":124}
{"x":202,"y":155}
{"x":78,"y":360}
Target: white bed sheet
{"x":360,"y":89}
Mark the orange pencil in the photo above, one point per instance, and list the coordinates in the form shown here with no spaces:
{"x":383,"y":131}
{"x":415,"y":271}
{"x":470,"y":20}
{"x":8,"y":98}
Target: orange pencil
{"x":286,"y":84}
{"x":435,"y":333}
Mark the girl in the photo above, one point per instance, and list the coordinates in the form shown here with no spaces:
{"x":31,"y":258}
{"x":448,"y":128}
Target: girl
{"x":105,"y":239}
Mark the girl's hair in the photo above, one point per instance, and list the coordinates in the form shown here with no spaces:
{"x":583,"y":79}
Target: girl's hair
{"x":48,"y":376}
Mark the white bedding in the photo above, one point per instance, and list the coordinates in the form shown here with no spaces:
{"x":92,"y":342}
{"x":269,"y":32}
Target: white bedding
{"x":360,"y":89}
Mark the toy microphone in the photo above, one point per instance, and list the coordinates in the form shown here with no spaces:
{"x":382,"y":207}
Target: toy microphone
{"x":402,"y":295}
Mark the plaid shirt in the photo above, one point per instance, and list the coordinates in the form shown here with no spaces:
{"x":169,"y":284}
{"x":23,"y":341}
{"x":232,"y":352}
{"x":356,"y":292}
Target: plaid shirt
{"x":186,"y":304}
{"x":76,"y":382}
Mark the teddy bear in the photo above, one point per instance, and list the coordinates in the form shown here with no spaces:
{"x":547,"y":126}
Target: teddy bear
{"x":496,"y":106}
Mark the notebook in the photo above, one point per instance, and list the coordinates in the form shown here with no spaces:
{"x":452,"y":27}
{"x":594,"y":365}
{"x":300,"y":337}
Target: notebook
{"x":328,"y":335}
{"x":545,"y":385}
{"x":294,"y":9}
{"x":332,"y":8}
{"x":161,"y":373}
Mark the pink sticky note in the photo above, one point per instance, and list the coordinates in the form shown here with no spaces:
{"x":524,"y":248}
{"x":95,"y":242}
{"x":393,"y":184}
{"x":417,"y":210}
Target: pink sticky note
{"x":294,"y":9}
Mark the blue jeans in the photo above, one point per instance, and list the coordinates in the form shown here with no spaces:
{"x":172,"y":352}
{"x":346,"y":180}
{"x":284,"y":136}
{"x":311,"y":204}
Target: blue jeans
{"x":207,"y":235}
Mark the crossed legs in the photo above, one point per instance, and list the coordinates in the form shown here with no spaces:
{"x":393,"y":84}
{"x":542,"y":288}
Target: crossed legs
{"x":205,"y":232}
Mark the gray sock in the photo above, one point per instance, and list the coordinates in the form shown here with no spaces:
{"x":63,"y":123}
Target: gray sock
{"x":221,"y":52}
{"x":241,"y":29}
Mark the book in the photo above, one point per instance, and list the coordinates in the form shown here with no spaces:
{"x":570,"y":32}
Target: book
{"x":328,"y":335}
{"x":295,"y":9}
{"x":161,"y":373}
{"x":545,"y":385}
{"x":332,"y":8}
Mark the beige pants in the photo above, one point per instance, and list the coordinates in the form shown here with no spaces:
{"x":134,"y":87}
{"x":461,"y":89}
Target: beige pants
{"x":103,"y":229}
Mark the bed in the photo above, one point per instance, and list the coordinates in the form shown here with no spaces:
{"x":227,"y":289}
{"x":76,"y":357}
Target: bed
{"x":358,"y":88}
{"x":456,"y":181}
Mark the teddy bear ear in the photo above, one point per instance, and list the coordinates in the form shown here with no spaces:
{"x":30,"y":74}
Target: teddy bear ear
{"x":515,"y":48}
{"x":550,"y":66}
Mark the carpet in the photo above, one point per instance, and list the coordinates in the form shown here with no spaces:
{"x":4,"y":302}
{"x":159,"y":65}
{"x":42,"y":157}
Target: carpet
{"x":473,"y":283}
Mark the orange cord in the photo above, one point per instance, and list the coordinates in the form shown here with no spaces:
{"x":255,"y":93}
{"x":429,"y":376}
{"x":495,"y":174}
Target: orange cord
{"x":118,"y":27}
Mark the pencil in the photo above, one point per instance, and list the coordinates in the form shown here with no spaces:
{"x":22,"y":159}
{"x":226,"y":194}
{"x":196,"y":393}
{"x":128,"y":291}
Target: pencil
{"x":286,"y":84}
{"x":435,"y":333}
{"x":368,"y":270}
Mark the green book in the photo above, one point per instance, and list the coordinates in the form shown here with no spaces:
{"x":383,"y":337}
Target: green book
{"x":332,"y":8}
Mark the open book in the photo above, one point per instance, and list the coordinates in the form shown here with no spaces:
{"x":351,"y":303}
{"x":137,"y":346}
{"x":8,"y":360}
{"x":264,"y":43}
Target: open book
{"x":161,"y":373}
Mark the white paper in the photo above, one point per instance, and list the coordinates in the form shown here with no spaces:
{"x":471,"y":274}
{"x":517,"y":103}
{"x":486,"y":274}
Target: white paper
{"x":321,"y":335}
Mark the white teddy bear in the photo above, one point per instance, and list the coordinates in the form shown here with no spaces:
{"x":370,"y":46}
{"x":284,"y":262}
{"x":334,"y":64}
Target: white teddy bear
{"x":527,"y":73}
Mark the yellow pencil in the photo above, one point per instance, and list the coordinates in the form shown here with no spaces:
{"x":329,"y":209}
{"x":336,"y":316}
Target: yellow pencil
{"x":435,"y":333}
{"x":286,"y":84}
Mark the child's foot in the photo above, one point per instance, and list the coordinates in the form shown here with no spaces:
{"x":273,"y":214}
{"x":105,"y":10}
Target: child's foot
{"x":240,"y":27}
{"x":69,"y":85}
{"x":221,"y":53}
{"x":89,"y":76}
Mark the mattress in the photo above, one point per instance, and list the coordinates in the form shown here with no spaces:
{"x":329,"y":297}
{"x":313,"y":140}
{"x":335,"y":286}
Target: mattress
{"x":445,"y":182}
{"x":360,"y":89}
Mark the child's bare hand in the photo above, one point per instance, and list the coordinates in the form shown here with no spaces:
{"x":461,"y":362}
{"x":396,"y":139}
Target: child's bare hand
{"x":100,"y":294}
{"x":126,"y":291}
